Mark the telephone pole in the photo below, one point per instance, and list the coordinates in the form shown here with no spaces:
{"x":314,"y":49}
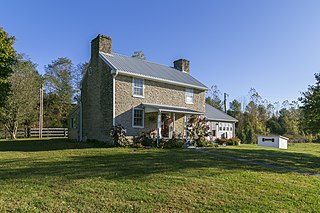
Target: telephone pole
{"x":225,"y":102}
{"x":41,"y":112}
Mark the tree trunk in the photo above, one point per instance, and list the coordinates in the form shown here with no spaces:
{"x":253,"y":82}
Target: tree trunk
{"x":12,"y":128}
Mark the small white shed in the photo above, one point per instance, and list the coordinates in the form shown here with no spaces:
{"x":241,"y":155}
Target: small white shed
{"x":273,"y":141}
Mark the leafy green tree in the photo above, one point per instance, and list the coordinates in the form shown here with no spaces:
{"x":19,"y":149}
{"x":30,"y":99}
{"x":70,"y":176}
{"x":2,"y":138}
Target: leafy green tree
{"x":274,"y":126}
{"x":58,"y":92}
{"x":21,"y":106}
{"x":77,"y":78}
{"x":139,"y":54}
{"x":7,"y":60}
{"x":213,"y":97}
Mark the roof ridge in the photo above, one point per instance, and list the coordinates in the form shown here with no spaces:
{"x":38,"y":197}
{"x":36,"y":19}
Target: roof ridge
{"x":146,"y":61}
{"x":153,"y":70}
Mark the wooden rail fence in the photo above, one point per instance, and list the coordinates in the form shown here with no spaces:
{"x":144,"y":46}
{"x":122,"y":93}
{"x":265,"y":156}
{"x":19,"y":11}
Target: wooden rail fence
{"x":34,"y":133}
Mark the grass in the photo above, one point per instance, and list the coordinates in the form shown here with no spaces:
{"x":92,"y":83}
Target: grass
{"x":304,"y":157}
{"x":60,"y":176}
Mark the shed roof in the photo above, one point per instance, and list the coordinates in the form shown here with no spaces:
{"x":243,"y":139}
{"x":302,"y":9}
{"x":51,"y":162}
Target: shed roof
{"x":148,"y":70}
{"x":214,"y":114}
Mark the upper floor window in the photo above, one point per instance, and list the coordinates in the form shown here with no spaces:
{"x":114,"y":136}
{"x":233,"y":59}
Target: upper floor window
{"x":138,"y":87}
{"x":189,"y":96}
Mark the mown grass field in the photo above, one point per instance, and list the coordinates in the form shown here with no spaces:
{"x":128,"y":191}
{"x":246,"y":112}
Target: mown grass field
{"x":304,"y":157}
{"x":60,"y":176}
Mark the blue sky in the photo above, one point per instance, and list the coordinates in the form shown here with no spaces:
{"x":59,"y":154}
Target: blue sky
{"x":272,"y":46}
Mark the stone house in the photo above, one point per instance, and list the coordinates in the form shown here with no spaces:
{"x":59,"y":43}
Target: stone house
{"x":137,"y":94}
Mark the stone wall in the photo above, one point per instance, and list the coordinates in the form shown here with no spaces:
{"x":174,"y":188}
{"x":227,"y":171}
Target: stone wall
{"x":154,"y":93}
{"x":97,"y":101}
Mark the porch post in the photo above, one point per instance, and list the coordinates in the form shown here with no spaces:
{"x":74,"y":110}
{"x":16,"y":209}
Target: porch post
{"x":158,"y":127}
{"x":234,"y":130}
{"x":173,"y":121}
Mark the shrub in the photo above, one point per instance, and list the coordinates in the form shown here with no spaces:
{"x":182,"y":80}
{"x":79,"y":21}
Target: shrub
{"x":231,"y":141}
{"x":137,"y":145}
{"x":234,"y":141}
{"x":146,"y":138}
{"x":212,"y":145}
{"x":174,"y":143}
{"x":197,"y":131}
{"x":118,"y":134}
{"x":221,"y":141}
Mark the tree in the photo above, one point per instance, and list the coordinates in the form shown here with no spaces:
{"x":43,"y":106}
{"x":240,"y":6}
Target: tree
{"x":235,"y":109}
{"x":139,"y":54}
{"x":311,"y":107}
{"x":20,"y":107}
{"x":77,"y":78}
{"x":213,"y":97}
{"x":58,"y":92}
{"x":7,"y":60}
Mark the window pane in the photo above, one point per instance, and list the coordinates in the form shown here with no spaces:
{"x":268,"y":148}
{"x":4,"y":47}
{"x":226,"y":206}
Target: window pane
{"x":138,"y":117}
{"x":189,"y":95}
{"x":138,"y":87}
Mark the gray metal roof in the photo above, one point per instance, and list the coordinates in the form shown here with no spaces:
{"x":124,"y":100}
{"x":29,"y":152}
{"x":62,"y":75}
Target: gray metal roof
{"x":214,"y":114}
{"x":166,"y":108}
{"x":149,"y":70}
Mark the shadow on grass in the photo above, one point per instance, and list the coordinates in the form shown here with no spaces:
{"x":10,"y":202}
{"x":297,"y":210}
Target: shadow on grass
{"x":127,"y":164}
{"x":294,"y":160}
{"x":46,"y":144}
{"x":117,"y":163}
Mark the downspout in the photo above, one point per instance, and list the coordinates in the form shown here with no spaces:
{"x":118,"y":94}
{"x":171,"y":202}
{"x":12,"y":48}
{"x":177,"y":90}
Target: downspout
{"x":80,"y":130}
{"x":114,"y":75}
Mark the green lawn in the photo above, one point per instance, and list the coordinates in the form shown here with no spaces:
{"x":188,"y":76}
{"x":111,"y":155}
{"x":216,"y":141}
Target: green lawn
{"x":304,"y":157}
{"x":59,"y":176}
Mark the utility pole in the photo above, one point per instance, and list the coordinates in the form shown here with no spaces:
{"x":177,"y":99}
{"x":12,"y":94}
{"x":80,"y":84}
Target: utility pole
{"x":41,"y":112}
{"x":225,"y":102}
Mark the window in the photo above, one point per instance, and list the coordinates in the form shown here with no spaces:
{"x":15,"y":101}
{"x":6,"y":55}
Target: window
{"x":137,"y":87}
{"x":214,"y":133}
{"x":138,"y":118}
{"x":220,"y":128}
{"x":189,"y":96}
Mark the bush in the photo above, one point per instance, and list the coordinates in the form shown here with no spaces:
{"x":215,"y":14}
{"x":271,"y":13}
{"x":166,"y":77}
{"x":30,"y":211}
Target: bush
{"x":145,"y":139}
{"x":212,"y":145}
{"x":118,"y":134}
{"x":137,"y":145}
{"x":232,"y":141}
{"x":174,"y":143}
{"x":221,"y":141}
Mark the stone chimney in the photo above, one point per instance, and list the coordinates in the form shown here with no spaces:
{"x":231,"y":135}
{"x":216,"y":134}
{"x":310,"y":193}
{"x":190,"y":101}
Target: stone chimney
{"x":182,"y":65}
{"x":101,"y":43}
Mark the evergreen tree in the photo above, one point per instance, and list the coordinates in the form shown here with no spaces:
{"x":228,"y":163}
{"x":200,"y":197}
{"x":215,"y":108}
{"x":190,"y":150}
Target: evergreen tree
{"x":311,"y":107}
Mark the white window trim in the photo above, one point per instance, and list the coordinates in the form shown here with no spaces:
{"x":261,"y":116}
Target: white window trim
{"x":134,"y":95}
{"x":186,"y":91}
{"x":133,"y":117}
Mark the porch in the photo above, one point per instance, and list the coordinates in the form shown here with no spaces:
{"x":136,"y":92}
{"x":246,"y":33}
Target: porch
{"x":169,"y":120}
